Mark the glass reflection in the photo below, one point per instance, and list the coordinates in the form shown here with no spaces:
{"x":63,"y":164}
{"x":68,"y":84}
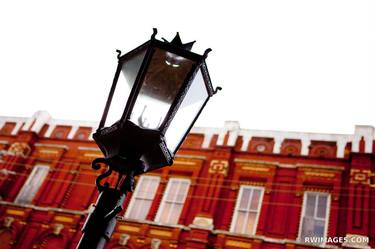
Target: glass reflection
{"x":162,"y":82}
{"x":189,"y":108}
{"x":125,"y":82}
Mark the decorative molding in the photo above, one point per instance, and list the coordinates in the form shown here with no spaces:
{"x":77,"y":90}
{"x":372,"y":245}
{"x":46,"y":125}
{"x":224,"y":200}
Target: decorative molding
{"x":315,"y":173}
{"x":63,"y":219}
{"x":149,"y":222}
{"x":129,"y":228}
{"x":15,"y":212}
{"x":162,"y":233}
{"x":57,"y":146}
{"x":190,"y":157}
{"x":183,"y":162}
{"x":358,"y":176}
{"x":123,"y":240}
{"x":57,"y":228}
{"x":89,"y":149}
{"x":203,"y":223}
{"x":8,"y":221}
{"x":251,"y":161}
{"x":255,"y":168}
{"x":237,"y":243}
{"x":19,"y":149}
{"x":45,"y":209}
{"x":317,"y":166}
{"x":220,"y":167}
{"x":155,"y":243}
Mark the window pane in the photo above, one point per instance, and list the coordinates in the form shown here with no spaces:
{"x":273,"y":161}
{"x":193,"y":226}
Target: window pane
{"x":310,"y":205}
{"x":140,"y":209}
{"x":124,"y":85}
{"x":322,"y":206}
{"x":255,"y":199}
{"x":172,"y":191}
{"x":182,"y":192}
{"x":162,"y":82}
{"x":239,"y":225}
{"x":250,"y":222}
{"x":319,"y":228}
{"x":188,"y":110}
{"x":164,"y":215}
{"x":307,"y":227}
{"x":245,"y":198}
{"x":175,"y":214}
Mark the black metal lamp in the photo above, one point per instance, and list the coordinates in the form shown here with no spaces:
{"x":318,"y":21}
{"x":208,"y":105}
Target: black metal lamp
{"x":164,"y":87}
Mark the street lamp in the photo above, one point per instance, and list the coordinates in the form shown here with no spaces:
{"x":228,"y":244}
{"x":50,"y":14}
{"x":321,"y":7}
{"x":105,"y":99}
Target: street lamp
{"x":164,"y":88}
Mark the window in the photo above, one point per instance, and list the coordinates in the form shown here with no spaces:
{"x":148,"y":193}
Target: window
{"x":142,"y":198}
{"x":315,"y":212}
{"x":32,"y":184}
{"x":246,"y":213}
{"x":173,"y":201}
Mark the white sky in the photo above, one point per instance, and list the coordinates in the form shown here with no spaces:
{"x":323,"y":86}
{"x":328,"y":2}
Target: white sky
{"x":283,"y":65}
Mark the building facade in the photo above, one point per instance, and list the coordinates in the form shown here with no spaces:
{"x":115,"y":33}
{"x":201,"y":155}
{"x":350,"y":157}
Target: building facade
{"x":228,"y":188}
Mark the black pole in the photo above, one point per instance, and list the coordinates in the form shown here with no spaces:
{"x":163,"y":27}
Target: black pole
{"x":101,"y":223}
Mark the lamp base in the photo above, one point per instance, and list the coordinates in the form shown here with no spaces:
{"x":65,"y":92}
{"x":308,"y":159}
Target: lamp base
{"x":127,"y":142}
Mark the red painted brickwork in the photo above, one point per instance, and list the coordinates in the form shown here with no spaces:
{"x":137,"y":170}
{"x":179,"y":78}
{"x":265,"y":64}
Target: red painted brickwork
{"x":59,"y":208}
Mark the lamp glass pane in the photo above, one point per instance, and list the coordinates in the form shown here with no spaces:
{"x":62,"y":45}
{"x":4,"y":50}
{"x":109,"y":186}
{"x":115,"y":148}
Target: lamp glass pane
{"x":125,"y":82}
{"x":164,"y":77}
{"x":189,"y":109}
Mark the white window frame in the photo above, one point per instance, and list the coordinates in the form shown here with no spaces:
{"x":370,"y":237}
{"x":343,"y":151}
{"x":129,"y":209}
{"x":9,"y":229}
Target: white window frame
{"x":238,"y":201}
{"x":166,"y":192}
{"x":26,"y":186}
{"x":328,"y":208}
{"x":136,"y":192}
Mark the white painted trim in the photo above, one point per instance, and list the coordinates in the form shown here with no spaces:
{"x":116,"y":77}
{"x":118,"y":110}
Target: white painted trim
{"x":16,"y":128}
{"x":50,"y":129}
{"x":136,"y":191}
{"x":277,"y":145}
{"x":72,"y":132}
{"x":207,"y":140}
{"x":166,"y":192}
{"x":305,"y":147}
{"x":245,"y":142}
{"x":238,"y":201}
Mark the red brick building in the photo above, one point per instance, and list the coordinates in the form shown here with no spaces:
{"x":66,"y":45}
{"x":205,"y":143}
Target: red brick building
{"x":228,"y":188}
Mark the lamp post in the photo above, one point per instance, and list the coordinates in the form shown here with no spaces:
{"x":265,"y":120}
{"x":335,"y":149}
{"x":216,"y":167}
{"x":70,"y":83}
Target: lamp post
{"x":164,"y":88}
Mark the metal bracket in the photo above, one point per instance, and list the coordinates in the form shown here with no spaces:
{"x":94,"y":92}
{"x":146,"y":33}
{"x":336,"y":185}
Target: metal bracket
{"x":118,"y":53}
{"x":154,"y":32}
